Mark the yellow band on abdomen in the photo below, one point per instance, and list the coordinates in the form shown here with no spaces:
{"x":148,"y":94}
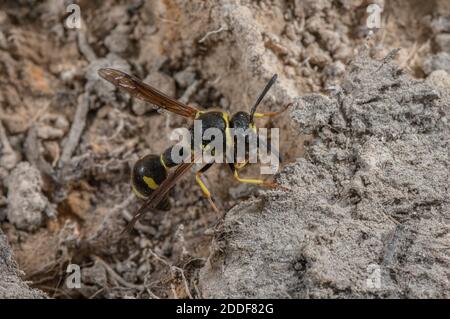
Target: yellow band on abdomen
{"x":150,"y":182}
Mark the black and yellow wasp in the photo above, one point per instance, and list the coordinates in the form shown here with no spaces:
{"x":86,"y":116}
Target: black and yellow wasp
{"x":150,"y":178}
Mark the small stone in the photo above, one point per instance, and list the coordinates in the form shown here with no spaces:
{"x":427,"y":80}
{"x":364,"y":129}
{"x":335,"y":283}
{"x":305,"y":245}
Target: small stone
{"x":440,"y":61}
{"x":48,"y":132}
{"x":143,"y":271}
{"x":317,"y":56}
{"x":105,"y":90}
{"x":331,"y":39}
{"x":9,"y":158}
{"x":335,"y":69}
{"x":186,"y":77}
{"x":96,"y":274}
{"x":290,"y":32}
{"x":439,"y":78}
{"x":308,"y":38}
{"x":26,"y":203}
{"x":79,"y":203}
{"x":441,"y":24}
{"x":128,"y":270}
{"x":118,"y":40}
{"x":343,"y":53}
{"x":443,"y":42}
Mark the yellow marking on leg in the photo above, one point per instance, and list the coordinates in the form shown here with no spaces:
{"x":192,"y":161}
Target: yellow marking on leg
{"x":240,"y":165}
{"x":205,"y":190}
{"x":266,"y":114}
{"x":257,"y":181}
{"x":150,"y":182}
{"x":200,"y":182}
{"x":271,"y":114}
{"x":247,"y":180}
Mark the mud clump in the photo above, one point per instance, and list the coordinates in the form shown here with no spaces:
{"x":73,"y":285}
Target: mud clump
{"x":26,"y":203}
{"x":369,"y":199}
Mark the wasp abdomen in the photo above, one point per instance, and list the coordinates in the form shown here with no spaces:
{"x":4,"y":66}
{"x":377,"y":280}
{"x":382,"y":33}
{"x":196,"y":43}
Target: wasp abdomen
{"x":147,"y":175}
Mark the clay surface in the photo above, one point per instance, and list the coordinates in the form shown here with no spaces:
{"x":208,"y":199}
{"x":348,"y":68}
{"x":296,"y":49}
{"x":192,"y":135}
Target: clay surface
{"x":365,"y":149}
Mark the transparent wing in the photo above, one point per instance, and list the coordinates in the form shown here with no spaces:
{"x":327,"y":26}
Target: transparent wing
{"x":140,"y":90}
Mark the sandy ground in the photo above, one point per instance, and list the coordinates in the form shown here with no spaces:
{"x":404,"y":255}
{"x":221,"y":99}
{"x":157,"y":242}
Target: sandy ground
{"x":365,"y":148}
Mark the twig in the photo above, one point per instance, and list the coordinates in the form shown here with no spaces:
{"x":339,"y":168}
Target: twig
{"x":57,"y":290}
{"x":148,"y":230}
{"x":172,"y":267}
{"x":77,"y":128}
{"x":152,"y":294}
{"x":174,"y":292}
{"x":392,"y":219}
{"x":83,"y":44}
{"x":79,"y":121}
{"x":167,"y":20}
{"x":96,"y":293}
{"x":222,"y":28}
{"x":199,"y":294}
{"x":4,"y":140}
{"x":110,"y":214}
{"x":122,"y":281}
{"x":392,"y":245}
{"x":38,"y":114}
{"x":117,"y":131}
{"x":414,"y":51}
{"x":59,"y":281}
{"x":34,"y":156}
{"x":45,"y":269}
{"x":189,"y":91}
{"x":388,"y":58}
{"x":116,"y":276}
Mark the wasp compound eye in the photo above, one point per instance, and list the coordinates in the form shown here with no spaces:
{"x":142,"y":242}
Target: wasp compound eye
{"x":147,"y":174}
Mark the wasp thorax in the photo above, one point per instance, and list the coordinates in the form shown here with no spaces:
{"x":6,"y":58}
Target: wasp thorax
{"x":240,"y":120}
{"x":147,"y":175}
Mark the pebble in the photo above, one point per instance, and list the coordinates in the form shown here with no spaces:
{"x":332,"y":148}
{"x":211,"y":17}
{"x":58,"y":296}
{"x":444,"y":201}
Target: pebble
{"x":26,"y":203}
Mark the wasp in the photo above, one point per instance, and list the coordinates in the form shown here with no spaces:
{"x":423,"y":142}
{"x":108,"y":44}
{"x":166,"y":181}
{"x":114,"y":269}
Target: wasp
{"x":151,"y":178}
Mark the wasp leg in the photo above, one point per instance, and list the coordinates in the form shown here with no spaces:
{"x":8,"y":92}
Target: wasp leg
{"x":271,"y":114}
{"x":205,"y":190}
{"x":251,"y":180}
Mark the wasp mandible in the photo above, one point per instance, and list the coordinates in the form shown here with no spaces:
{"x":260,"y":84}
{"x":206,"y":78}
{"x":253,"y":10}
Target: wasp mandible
{"x":150,"y":177}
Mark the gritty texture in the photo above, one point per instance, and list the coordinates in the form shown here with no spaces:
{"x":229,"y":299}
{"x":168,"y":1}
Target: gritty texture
{"x":11,"y":285}
{"x":83,"y":135}
{"x":372,"y":191}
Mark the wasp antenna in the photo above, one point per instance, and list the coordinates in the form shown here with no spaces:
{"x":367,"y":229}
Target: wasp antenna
{"x":261,"y":96}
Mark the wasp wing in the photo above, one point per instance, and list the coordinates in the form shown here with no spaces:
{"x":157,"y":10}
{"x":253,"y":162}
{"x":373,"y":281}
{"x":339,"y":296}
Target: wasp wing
{"x":140,"y":90}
